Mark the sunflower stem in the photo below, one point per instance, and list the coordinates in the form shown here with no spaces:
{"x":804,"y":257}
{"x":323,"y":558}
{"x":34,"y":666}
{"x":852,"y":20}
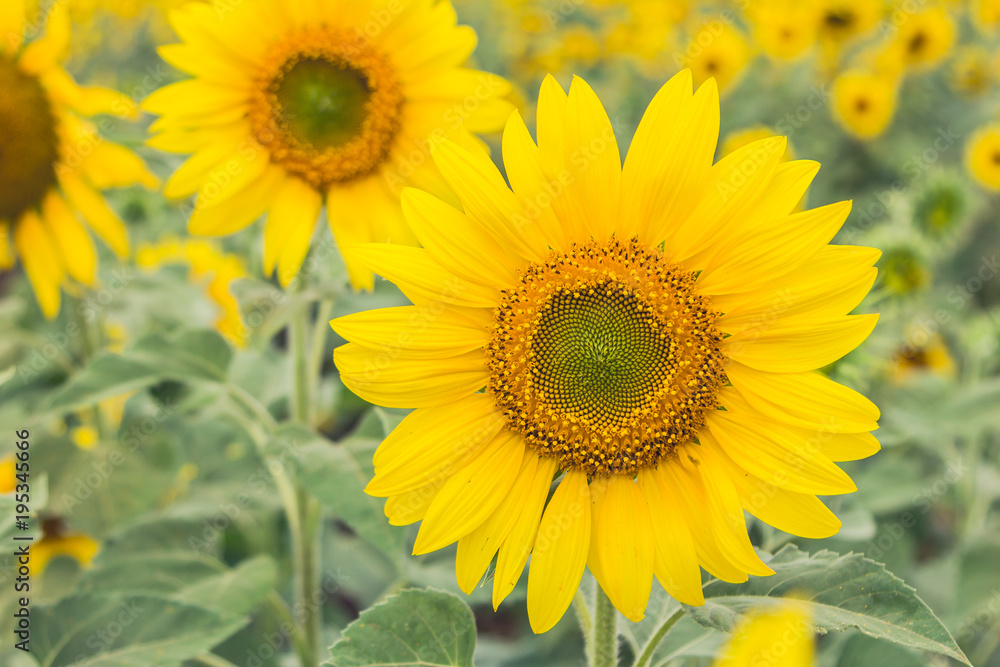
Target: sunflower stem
{"x":604,"y":649}
{"x":654,"y":642}
{"x":307,"y":525}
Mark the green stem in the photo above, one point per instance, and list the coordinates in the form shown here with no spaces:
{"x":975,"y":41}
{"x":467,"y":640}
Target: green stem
{"x":585,"y":619}
{"x":316,"y":350}
{"x":213,"y":660}
{"x":306,"y":527}
{"x":604,"y":651}
{"x":91,"y":335}
{"x":654,"y":642}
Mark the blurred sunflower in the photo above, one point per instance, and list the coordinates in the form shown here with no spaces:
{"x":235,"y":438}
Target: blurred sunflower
{"x":982,"y":156}
{"x":985,"y":13}
{"x":864,"y":103}
{"x":8,"y":473}
{"x":610,"y":312}
{"x":296,"y":105}
{"x":52,"y":163}
{"x":843,"y":20}
{"x":930,"y":357}
{"x":57,"y":542}
{"x":784,"y":29}
{"x":718,"y":51}
{"x":972,"y":71}
{"x":924,"y":38}
{"x":778,"y":636}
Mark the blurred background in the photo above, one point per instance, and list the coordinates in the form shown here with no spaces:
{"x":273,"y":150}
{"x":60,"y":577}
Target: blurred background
{"x":147,"y":480}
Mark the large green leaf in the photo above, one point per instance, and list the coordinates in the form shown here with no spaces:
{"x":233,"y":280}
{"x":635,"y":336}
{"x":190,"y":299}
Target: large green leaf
{"x":336,"y":474}
{"x":199,"y":354}
{"x":186,"y":577}
{"x":841,"y":592}
{"x":417,"y":628}
{"x":99,"y":631}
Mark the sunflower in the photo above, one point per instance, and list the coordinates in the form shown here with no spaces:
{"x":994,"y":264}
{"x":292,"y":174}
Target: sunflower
{"x":718,"y":51}
{"x":57,"y":542}
{"x":864,"y":103}
{"x":982,"y":156}
{"x":778,"y":636}
{"x":925,"y":37}
{"x":296,"y":105}
{"x":784,"y":29}
{"x":586,"y":328}
{"x":972,"y":71}
{"x":53,"y":163}
{"x":932,"y":356}
{"x":843,"y":20}
{"x":985,"y":14}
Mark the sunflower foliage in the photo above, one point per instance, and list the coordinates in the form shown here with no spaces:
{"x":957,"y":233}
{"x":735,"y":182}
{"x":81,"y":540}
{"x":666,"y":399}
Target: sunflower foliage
{"x":208,"y":486}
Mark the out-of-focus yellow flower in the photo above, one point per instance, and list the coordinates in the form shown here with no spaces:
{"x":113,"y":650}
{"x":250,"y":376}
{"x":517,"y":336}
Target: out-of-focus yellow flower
{"x":208,"y":263}
{"x":8,"y":472}
{"x":84,"y":436}
{"x":717,"y":51}
{"x":577,"y":45}
{"x":784,"y":29}
{"x":985,"y":14}
{"x":842,"y":20}
{"x":778,"y":637}
{"x":930,"y":357}
{"x":940,"y":208}
{"x":864,"y":103}
{"x":55,"y":542}
{"x":983,"y":156}
{"x":924,"y":38}
{"x":53,"y":163}
{"x":972,"y":71}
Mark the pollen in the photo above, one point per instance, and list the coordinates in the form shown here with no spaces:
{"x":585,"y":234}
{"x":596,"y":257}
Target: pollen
{"x":605,"y":357}
{"x":29,"y":143}
{"x":327,"y":106}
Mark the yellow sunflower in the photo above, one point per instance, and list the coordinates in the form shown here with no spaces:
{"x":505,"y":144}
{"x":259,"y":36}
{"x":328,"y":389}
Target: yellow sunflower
{"x":587,"y":327}
{"x":778,"y":636}
{"x":784,"y":29}
{"x":57,"y":542}
{"x":53,"y":163}
{"x":972,"y":71}
{"x":864,"y":103}
{"x":910,"y":360}
{"x":925,"y":37}
{"x":296,"y":105}
{"x":720,"y":52}
{"x":982,"y":156}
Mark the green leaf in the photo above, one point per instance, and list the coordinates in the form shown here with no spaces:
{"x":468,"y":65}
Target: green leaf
{"x":841,"y":592}
{"x":336,"y":474}
{"x":99,"y":631}
{"x":185,"y":577}
{"x":416,"y":628}
{"x":199,"y":354}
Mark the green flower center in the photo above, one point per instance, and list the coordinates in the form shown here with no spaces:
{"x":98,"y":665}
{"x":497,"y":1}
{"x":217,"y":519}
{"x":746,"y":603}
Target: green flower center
{"x":29,"y":145}
{"x":323,"y":103}
{"x":598,"y":353}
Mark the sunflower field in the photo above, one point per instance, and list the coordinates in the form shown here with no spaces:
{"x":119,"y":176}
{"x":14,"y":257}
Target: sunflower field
{"x":506,"y":333}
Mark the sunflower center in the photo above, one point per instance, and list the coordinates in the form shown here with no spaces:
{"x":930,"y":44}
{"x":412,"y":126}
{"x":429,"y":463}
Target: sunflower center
{"x":326,"y":106}
{"x":606,"y":357}
{"x":917,"y":43}
{"x":29,"y":145}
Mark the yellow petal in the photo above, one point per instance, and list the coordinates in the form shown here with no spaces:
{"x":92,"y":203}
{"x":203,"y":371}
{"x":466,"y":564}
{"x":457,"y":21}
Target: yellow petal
{"x":675,"y":562}
{"x":625,"y":543}
{"x":668,"y":161}
{"x":420,"y":278}
{"x":289,"y":228}
{"x":193,"y":98}
{"x":471,"y":495}
{"x":849,"y":446}
{"x":476,"y":550}
{"x":543,"y":198}
{"x":40,"y":259}
{"x":455,"y":243}
{"x":213,"y":218}
{"x":593,"y":161}
{"x":210,"y":160}
{"x":796,"y":513}
{"x":433,"y":332}
{"x":794,"y":345}
{"x":560,"y":552}
{"x":517,"y":547}
{"x":778,"y":454}
{"x":48,"y":51}
{"x":114,"y":166}
{"x":679,"y":490}
{"x":487,"y":200}
{"x":105,"y":222}
{"x":410,"y":507}
{"x":11,"y":26}
{"x":808,"y":400}
{"x":431,"y":444}
{"x":74,"y":243}
{"x":757,"y":638}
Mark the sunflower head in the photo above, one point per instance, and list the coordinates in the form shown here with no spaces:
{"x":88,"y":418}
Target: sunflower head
{"x":928,"y":356}
{"x":641,"y":336}
{"x":904,"y":270}
{"x":57,"y":541}
{"x":940,"y":208}
{"x":982,"y":156}
{"x":295,"y":107}
{"x":972,"y":71}
{"x":718,"y":51}
{"x":925,"y":37}
{"x":784,"y":29}
{"x":864,"y":103}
